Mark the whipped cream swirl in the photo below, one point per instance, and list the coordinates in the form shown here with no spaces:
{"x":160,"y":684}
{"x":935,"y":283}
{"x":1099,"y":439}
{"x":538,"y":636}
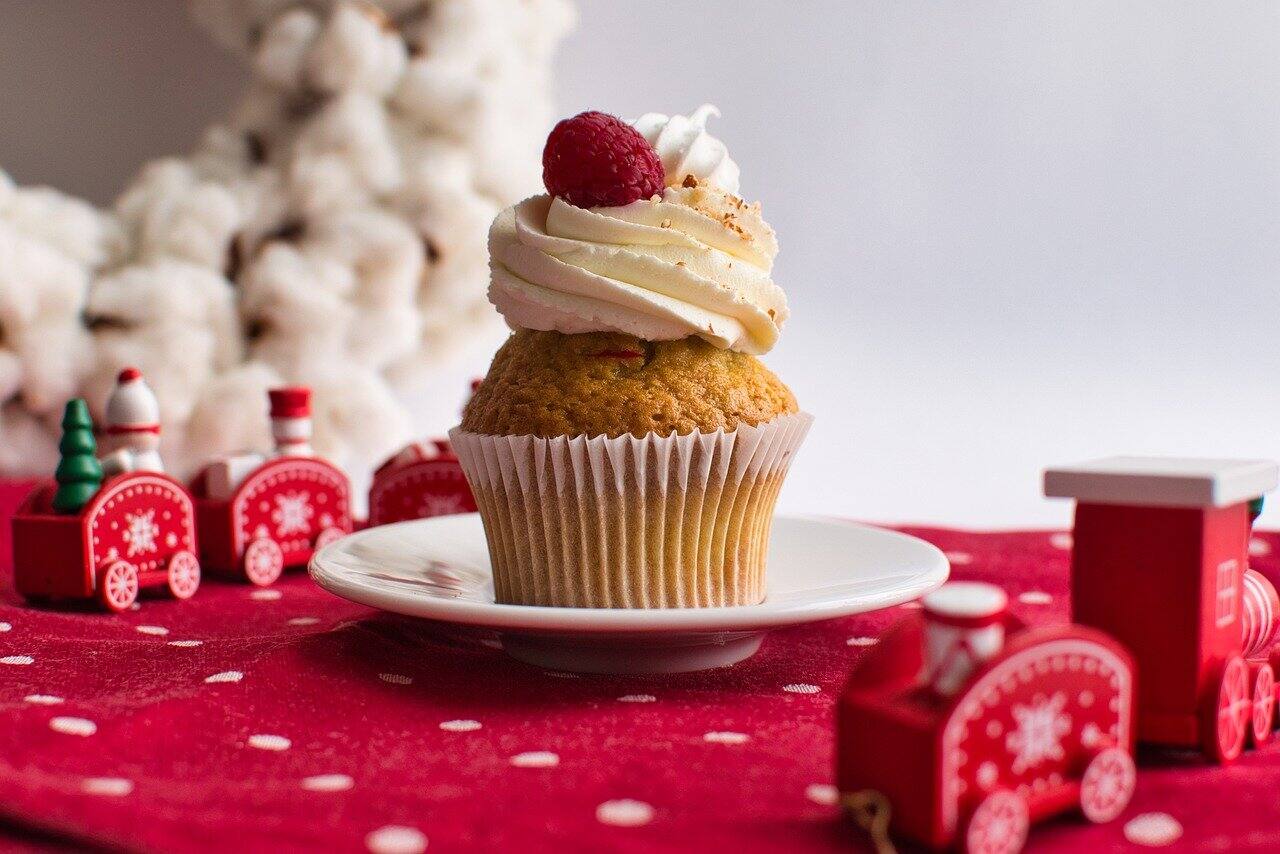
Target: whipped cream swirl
{"x":685,"y":148}
{"x":695,"y":261}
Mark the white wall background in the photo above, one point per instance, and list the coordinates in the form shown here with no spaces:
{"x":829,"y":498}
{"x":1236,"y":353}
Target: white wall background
{"x":1012,"y":233}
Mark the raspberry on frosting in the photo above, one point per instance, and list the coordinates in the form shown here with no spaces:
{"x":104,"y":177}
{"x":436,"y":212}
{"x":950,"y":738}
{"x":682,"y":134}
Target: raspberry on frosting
{"x":598,"y":160}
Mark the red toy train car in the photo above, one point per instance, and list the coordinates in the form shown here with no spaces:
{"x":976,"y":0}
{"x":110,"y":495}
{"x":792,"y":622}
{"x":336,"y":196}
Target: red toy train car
{"x":138,"y":531}
{"x":1159,"y":561}
{"x":420,"y":481}
{"x":277,"y":517}
{"x":963,"y":737}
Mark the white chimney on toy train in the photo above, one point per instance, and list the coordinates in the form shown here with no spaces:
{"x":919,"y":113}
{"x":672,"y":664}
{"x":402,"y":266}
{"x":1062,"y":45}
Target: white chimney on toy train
{"x":963,"y":627}
{"x":291,"y":421}
{"x":132,"y":436}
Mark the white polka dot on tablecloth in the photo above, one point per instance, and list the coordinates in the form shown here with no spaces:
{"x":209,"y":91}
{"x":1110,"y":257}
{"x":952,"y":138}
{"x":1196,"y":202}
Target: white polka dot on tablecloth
{"x":725,"y":737}
{"x":1061,"y":540}
{"x":43,"y":699}
{"x":862,"y":641}
{"x":396,"y":678}
{"x":1035,"y":597}
{"x":1259,"y":548}
{"x":396,"y":839}
{"x":73,"y":726}
{"x":624,"y":813}
{"x":327,"y":783}
{"x":225,"y":676}
{"x":1152,"y":829}
{"x":5,"y":627}
{"x":185,"y":643}
{"x":303,"y":621}
{"x":114,"y":787}
{"x":265,"y":595}
{"x":266,"y":741}
{"x":460,"y":726}
{"x":491,"y":643}
{"x":801,"y":688}
{"x":822,"y":793}
{"x":17,"y":659}
{"x":637,"y":698}
{"x":151,"y":630}
{"x":559,"y":674}
{"x":959,"y":558}
{"x":535,"y":759}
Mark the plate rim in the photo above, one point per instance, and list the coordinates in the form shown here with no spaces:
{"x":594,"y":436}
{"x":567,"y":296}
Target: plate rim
{"x":545,"y":619}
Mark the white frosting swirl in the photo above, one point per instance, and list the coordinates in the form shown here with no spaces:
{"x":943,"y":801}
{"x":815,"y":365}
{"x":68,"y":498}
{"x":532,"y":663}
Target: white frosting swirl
{"x":685,"y":147}
{"x":695,"y":261}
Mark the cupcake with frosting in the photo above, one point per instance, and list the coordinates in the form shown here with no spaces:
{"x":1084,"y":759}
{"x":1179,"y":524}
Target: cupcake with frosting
{"x":627,"y":445}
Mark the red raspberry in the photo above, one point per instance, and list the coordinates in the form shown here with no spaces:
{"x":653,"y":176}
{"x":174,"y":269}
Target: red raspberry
{"x":597,"y":160}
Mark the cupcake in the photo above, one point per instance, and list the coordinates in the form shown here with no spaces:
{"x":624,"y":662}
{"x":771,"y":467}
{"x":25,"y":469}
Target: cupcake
{"x":627,"y":446}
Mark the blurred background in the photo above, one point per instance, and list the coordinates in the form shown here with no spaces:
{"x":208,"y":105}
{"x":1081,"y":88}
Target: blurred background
{"x":1012,"y":234}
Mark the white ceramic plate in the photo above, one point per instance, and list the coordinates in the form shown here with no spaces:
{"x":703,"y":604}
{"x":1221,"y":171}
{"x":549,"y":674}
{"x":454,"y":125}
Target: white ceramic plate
{"x":439,"y":569}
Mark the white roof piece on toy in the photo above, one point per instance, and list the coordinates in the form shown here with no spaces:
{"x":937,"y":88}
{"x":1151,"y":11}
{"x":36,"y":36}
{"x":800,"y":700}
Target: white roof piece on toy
{"x":1163,"y":481}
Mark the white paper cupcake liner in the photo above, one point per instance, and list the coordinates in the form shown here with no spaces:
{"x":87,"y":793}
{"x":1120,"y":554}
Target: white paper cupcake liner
{"x":657,"y":522}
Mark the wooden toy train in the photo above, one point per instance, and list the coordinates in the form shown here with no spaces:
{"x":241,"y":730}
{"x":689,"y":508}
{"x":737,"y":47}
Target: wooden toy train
{"x":963,"y":726}
{"x":424,"y":479}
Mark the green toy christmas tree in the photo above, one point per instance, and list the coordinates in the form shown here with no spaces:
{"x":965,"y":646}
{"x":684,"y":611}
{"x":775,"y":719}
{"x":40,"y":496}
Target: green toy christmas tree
{"x":79,"y":474}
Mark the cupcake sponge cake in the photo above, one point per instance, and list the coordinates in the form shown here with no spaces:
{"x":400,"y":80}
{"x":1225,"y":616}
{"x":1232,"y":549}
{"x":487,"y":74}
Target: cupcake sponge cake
{"x":608,"y":384}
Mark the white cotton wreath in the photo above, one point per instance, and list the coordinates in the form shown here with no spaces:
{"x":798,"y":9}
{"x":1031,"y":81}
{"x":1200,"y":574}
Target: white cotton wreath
{"x":331,"y":231}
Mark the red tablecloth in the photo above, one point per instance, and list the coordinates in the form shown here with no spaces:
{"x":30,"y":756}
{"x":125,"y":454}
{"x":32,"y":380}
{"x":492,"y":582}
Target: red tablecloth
{"x":290,"y":719}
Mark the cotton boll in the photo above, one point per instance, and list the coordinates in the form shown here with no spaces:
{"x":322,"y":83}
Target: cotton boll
{"x":358,"y":49}
{"x":223,"y":155}
{"x":171,"y":213}
{"x":28,"y":443}
{"x":72,"y":227}
{"x":296,"y":308}
{"x":173,"y":320}
{"x":279,"y":56}
{"x":230,"y":415}
{"x":437,"y":93}
{"x":345,"y":155}
{"x":236,"y":24}
{"x":44,"y":345}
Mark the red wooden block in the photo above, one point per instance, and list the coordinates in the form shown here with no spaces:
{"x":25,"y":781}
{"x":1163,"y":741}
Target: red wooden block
{"x":137,"y":532}
{"x":420,"y":481}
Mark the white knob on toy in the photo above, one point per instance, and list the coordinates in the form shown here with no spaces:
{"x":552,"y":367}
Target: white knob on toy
{"x":963,"y":627}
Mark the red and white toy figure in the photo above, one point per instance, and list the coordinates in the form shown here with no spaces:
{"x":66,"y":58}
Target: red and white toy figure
{"x":1160,"y":560}
{"x":963,"y":726}
{"x":422,"y":480}
{"x":86,"y":537}
{"x":131,"y":440}
{"x":259,"y":515}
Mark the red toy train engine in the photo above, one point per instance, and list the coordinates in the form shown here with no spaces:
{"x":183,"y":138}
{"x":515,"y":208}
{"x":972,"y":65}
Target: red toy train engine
{"x":1159,"y":561}
{"x":961,"y":736}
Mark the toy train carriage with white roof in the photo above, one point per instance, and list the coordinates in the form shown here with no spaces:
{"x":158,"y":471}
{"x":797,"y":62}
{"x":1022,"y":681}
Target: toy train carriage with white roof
{"x":280,"y":514}
{"x":138,"y":531}
{"x":423,"y":480}
{"x":1160,"y":561}
{"x":964,"y":726}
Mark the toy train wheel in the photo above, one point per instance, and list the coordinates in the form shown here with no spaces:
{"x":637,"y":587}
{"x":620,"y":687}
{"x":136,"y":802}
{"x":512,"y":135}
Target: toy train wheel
{"x":998,"y":826}
{"x":1227,"y":714}
{"x":263,"y":562}
{"x":1107,"y":785}
{"x":183,"y":575}
{"x":327,"y":536}
{"x":1264,"y":705}
{"x":118,"y":586}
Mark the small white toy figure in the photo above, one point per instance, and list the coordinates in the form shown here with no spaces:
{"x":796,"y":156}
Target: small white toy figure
{"x":291,"y":421}
{"x":132,"y":436}
{"x":963,"y":627}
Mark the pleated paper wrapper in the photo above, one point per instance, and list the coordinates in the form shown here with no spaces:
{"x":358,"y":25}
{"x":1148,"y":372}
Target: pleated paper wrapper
{"x":656,"y":522}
